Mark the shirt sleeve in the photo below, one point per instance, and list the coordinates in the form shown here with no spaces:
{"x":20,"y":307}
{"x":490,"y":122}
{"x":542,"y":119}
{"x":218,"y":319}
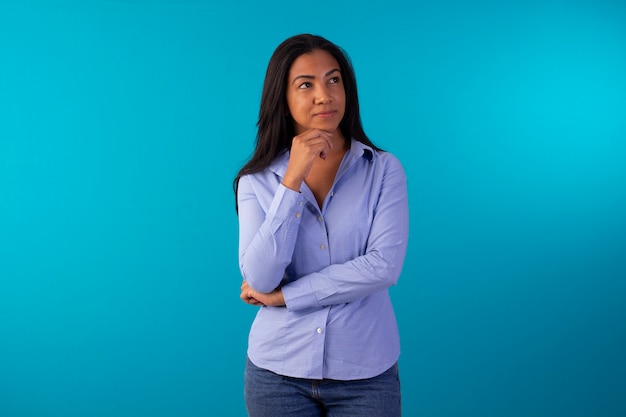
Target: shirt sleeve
{"x":380,"y":266}
{"x":266,"y":241}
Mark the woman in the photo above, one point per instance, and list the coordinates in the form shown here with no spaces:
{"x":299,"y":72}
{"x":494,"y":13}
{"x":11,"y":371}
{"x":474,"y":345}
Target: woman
{"x":323,"y":227}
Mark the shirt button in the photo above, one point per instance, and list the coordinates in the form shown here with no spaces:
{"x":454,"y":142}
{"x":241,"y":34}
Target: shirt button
{"x":322,"y":246}
{"x":319,"y":330}
{"x":297,"y":215}
{"x":320,"y":218}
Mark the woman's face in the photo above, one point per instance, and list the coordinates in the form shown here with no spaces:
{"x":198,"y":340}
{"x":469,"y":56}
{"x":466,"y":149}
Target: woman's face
{"x":315,"y":93}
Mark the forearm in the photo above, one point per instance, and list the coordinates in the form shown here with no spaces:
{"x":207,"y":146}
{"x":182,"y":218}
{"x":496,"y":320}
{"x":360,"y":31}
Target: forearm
{"x":344,"y":283}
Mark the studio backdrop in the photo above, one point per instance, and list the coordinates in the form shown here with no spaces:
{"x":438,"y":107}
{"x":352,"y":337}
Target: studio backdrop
{"x":124,"y":122}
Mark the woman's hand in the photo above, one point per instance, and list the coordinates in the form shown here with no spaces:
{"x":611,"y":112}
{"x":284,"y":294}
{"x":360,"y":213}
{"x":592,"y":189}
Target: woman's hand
{"x":250,"y":296}
{"x":305,"y":149}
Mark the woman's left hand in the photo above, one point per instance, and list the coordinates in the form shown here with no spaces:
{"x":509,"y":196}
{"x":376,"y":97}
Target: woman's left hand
{"x":250,"y":296}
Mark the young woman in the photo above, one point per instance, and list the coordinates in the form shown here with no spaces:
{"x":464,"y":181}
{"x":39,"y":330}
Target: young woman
{"x":323,"y":227}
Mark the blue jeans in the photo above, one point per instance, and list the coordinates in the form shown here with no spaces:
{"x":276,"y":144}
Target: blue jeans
{"x":271,"y":395}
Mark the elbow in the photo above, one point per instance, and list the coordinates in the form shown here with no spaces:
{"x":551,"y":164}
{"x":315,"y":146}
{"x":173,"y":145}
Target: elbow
{"x":256,"y":283}
{"x":386,"y":272}
{"x":260,"y":286}
{"x":390,"y":278}
{"x":261,"y":281}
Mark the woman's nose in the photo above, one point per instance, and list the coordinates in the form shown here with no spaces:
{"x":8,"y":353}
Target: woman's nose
{"x":322,"y":96}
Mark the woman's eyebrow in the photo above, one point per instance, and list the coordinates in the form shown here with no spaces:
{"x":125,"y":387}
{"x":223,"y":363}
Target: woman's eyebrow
{"x":312,"y":77}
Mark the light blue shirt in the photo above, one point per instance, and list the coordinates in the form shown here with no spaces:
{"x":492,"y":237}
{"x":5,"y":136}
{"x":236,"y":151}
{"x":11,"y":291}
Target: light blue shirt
{"x":334,"y":265}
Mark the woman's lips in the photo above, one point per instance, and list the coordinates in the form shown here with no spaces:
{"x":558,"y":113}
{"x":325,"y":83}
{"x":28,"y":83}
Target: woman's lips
{"x":325,"y":114}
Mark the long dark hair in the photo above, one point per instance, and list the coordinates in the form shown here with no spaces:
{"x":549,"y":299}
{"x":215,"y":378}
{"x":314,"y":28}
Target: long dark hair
{"x":275,"y":125}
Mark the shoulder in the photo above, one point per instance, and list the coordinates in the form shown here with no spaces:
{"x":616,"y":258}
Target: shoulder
{"x":389,"y":169}
{"x":276,"y":167}
{"x":384,"y":167}
{"x":388,"y":162}
{"x":387,"y":158}
{"x":267,"y":179}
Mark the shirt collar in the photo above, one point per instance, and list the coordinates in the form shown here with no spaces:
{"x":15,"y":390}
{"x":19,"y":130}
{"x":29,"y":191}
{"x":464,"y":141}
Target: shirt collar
{"x":357,"y":150}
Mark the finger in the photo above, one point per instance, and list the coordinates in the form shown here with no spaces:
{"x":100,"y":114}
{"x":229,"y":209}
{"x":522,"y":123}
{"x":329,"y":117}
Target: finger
{"x":312,"y":134}
{"x":326,"y":137}
{"x":328,"y":146}
{"x":253,"y":301}
{"x":249,"y":300}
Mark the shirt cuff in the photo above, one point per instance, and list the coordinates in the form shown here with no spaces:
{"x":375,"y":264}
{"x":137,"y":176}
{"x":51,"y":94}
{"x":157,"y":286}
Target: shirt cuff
{"x":309,"y":291}
{"x":284,"y":202}
{"x":297,"y":298}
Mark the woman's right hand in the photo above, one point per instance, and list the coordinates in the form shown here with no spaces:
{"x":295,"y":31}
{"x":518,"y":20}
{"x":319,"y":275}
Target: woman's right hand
{"x":305,"y":149}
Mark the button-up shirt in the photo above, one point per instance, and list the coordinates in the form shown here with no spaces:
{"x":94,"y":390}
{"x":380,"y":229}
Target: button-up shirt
{"x":334,"y":265}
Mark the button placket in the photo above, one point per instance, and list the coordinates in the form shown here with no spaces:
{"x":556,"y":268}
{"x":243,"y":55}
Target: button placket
{"x":299,"y":213}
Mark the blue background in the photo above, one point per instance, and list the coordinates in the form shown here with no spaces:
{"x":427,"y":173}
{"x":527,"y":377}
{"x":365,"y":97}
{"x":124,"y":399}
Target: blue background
{"x":123,"y":123}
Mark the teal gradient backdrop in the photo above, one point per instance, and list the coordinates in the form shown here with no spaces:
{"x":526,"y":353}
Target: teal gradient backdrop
{"x":123,"y":123}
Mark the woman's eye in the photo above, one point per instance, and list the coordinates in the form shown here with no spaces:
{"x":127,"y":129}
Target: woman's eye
{"x":334,"y":80}
{"x":305,"y":85}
